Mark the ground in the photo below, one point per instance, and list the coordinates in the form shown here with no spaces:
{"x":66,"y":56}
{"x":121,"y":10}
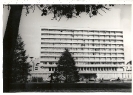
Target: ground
{"x":79,"y":87}
{"x":77,"y":90}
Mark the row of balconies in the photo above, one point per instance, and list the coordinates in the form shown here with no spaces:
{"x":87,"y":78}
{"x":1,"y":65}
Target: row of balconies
{"x":83,"y":72}
{"x":64,"y":37}
{"x":83,"y":48}
{"x":80,"y":53}
{"x":79,"y":42}
{"x":79,"y":46}
{"x":96,"y":49}
{"x":79,"y":50}
{"x":86,"y":72}
{"x":90,"y":69}
{"x":85,"y":43}
{"x":87,"y":68}
{"x":90,"y":46}
{"x":86,"y":63}
{"x":81,"y":33}
{"x":84,"y":52}
{"x":89,"y":65}
{"x":72,"y":39}
{"x":81,"y":56}
{"x":90,"y":58}
{"x":77,"y":31}
{"x":84,"y":39}
{"x":83,"y":60}
{"x":90,"y":51}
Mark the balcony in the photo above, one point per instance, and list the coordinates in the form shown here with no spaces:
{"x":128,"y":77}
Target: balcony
{"x":99,"y":65}
{"x":48,"y":60}
{"x":119,"y":38}
{"x":69,"y":42}
{"x":105,"y":72}
{"x":48,"y":65}
{"x":56,"y":37}
{"x":50,"y":55}
{"x":57,"y":32}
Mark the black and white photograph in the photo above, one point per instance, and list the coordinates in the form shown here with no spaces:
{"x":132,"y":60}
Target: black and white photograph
{"x":67,"y":48}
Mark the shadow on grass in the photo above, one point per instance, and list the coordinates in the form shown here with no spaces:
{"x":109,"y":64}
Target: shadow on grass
{"x":71,"y":87}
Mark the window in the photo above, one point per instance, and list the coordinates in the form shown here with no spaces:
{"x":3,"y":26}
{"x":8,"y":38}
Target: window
{"x":90,"y":40}
{"x":36,"y":68}
{"x":107,"y":36}
{"x":37,"y":64}
{"x":50,"y":62}
{"x":81,"y":69}
{"x":118,"y":32}
{"x":82,"y":44}
{"x":52,"y":69}
{"x":97,"y":58}
{"x":102,"y":40}
{"x":91,"y":31}
{"x":97,"y":49}
{"x":49,"y":69}
{"x":107,"y":32}
{"x":108,"y":45}
{"x":103,"y":32}
{"x":101,"y":36}
{"x":108,"y":58}
{"x":108,"y":40}
{"x":91,"y":36}
{"x":96,"y":36}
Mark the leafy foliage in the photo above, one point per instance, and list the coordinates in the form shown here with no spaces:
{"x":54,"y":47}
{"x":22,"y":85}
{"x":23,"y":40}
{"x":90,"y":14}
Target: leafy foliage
{"x":20,"y":66}
{"x":66,"y":69}
{"x":69,"y":11}
{"x":37,"y":79}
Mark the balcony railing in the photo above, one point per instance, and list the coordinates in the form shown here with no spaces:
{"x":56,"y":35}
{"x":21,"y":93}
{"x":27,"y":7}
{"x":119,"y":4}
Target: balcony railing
{"x":99,"y":65}
{"x":80,"y":60}
{"x":106,"y":72}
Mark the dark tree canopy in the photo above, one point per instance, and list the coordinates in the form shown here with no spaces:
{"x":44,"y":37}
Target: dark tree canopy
{"x":69,"y":10}
{"x":19,"y":72}
{"x":66,"y":68}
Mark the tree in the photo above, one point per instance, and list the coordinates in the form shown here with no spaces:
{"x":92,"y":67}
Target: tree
{"x":9,"y":42}
{"x":66,"y":68}
{"x":11,"y":32}
{"x":20,"y":66}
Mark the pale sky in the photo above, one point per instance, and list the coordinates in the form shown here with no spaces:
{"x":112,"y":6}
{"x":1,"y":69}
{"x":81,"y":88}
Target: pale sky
{"x":118,"y":18}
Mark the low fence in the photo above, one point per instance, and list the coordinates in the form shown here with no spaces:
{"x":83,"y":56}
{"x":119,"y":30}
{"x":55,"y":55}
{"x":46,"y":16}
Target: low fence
{"x":50,"y":86}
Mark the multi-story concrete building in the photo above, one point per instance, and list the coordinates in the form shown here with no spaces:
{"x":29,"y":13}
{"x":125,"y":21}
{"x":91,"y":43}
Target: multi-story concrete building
{"x":97,"y":52}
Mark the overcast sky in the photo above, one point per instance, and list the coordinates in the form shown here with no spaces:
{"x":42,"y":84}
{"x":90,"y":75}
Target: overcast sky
{"x":118,"y":18}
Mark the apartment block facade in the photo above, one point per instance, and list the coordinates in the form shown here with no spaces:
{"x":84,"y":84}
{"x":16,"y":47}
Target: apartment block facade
{"x":97,"y":52}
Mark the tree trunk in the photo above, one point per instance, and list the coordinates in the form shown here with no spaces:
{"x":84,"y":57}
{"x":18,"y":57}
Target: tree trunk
{"x":66,"y":78}
{"x":9,"y":43}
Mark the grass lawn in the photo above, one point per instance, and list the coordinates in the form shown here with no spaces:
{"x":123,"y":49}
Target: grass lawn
{"x":75,"y":90}
{"x":78,"y":87}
